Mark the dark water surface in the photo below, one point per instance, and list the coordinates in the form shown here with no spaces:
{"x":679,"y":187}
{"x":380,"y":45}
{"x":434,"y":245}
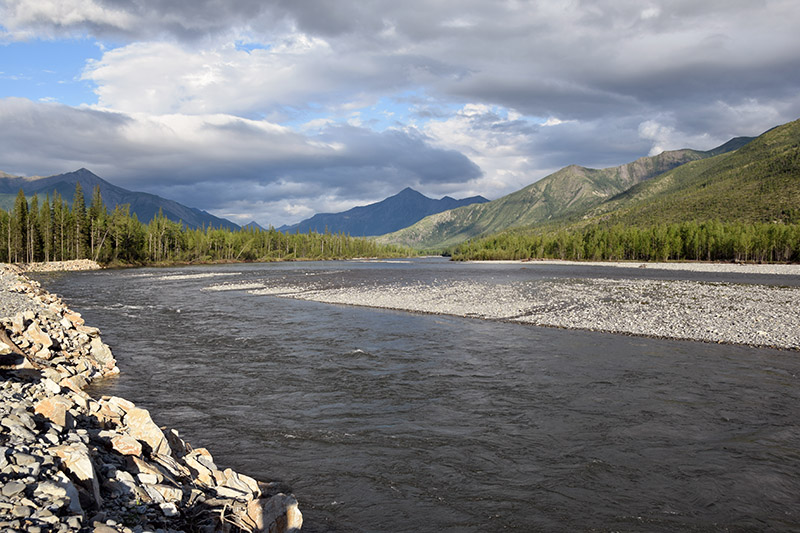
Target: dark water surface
{"x":391,"y":421}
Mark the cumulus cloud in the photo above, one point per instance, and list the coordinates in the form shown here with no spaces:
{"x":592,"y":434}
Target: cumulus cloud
{"x":569,"y":59}
{"x":296,"y":71}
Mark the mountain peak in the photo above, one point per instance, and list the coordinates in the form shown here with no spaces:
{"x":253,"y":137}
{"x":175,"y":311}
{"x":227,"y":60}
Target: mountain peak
{"x":566,"y":192}
{"x":254,"y":225}
{"x":408,"y":191}
{"x":144,"y":205}
{"x":390,"y":214}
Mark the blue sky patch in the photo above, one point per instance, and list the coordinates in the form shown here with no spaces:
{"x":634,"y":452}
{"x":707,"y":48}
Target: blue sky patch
{"x":48,"y":71}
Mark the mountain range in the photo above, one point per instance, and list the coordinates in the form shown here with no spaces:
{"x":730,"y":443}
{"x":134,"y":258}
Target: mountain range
{"x":745,"y":179}
{"x":568,"y":193}
{"x":391,"y":214}
{"x":145,"y":205}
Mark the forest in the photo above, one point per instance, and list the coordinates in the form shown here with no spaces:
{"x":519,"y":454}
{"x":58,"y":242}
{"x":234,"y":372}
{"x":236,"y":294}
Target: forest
{"x":684,"y":241}
{"x":54,"y":230}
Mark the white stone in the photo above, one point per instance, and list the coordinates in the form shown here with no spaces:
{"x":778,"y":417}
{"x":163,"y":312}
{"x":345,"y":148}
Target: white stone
{"x":169,"y":510}
{"x":149,"y":479}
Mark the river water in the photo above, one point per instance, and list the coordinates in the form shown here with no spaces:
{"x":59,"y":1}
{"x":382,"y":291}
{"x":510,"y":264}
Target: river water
{"x":391,"y":421}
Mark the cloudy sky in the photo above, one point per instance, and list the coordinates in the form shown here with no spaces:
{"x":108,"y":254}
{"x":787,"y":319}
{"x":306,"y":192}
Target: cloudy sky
{"x":273,"y":110}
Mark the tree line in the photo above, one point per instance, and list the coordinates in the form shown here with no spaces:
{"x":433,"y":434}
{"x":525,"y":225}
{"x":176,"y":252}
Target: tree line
{"x":54,"y":230}
{"x":696,"y":241}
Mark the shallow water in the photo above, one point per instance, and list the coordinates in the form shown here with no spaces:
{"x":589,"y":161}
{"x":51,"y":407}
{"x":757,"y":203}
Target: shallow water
{"x":391,"y":421}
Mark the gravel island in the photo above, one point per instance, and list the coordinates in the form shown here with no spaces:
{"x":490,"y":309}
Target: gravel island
{"x":736,"y":313}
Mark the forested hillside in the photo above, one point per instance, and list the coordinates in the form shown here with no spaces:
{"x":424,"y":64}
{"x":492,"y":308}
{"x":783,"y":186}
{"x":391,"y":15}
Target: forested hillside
{"x":569,"y":192}
{"x":741,"y":206}
{"x":694,"y":241}
{"x":48,"y":229}
{"x":759,"y":182}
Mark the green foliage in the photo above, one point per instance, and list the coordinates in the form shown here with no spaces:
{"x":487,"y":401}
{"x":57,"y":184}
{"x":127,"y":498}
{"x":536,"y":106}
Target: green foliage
{"x":750,"y":181}
{"x":698,"y":241}
{"x":760,"y":182}
{"x":570,"y":192}
{"x":54,"y":232}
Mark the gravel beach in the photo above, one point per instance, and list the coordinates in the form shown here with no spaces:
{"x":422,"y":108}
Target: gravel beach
{"x":736,"y":313}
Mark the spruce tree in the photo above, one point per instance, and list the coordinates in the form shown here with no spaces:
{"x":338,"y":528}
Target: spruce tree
{"x":19,"y":228}
{"x":79,"y":217}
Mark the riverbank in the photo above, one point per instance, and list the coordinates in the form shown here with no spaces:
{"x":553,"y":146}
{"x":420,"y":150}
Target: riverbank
{"x":74,"y":265}
{"x":70,"y":462}
{"x":734,"y":313}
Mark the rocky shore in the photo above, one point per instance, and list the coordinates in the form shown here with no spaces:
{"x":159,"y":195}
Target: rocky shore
{"x":70,"y":462}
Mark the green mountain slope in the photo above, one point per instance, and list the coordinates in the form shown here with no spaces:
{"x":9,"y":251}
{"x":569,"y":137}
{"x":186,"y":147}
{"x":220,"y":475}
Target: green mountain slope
{"x":570,"y":191}
{"x":760,"y":182}
{"x":737,"y":206}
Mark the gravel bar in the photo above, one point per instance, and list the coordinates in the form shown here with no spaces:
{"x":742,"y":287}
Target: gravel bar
{"x":756,"y":315}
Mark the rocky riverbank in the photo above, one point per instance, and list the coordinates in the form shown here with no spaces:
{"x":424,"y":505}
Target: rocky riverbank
{"x":70,"y":462}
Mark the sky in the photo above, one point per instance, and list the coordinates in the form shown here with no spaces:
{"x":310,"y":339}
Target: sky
{"x":274,"y":110}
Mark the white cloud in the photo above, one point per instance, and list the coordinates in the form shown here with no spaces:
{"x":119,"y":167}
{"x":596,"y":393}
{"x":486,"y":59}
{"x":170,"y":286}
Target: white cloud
{"x":164,"y":77}
{"x":26,"y":19}
{"x":499,"y":143}
{"x":651,"y":12}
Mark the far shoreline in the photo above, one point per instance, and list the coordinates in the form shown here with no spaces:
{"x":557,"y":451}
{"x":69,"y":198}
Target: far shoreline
{"x":785,"y":269}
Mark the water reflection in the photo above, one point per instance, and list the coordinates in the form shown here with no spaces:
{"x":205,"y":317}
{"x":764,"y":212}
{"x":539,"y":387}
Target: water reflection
{"x":389,"y":421}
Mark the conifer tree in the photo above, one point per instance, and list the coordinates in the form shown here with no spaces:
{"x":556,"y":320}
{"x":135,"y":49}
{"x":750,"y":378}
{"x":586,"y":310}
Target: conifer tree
{"x":34,"y":232}
{"x":19,"y":228}
{"x":46,"y":228}
{"x":79,"y":216}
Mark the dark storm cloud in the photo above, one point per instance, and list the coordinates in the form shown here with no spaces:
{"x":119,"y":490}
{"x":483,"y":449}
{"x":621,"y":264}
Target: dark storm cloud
{"x":222,"y":159}
{"x":48,"y":139}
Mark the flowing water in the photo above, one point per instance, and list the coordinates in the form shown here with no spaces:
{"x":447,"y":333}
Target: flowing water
{"x":390,"y":421}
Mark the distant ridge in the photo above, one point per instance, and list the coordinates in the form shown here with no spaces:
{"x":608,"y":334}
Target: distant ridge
{"x":254,"y":225}
{"x":391,"y":214}
{"x":144,"y":205}
{"x":571,"y":191}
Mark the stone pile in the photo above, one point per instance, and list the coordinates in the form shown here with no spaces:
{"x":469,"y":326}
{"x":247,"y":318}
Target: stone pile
{"x":69,"y":462}
{"x":61,"y":266}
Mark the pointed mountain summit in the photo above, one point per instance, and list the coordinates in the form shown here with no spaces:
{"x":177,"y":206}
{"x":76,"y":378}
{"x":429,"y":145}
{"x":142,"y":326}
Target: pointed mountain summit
{"x":254,"y":225}
{"x":394,"y":213}
{"x":144,"y":205}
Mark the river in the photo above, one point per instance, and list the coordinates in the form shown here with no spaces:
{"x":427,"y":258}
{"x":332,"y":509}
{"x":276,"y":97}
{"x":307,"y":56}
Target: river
{"x":391,"y":421}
